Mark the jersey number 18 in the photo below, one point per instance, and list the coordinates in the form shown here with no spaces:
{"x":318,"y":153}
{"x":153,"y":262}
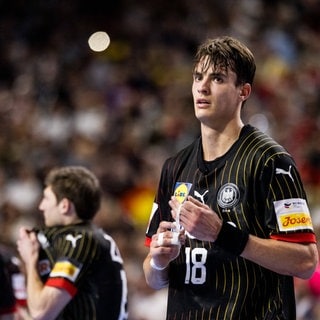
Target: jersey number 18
{"x":196,"y":271}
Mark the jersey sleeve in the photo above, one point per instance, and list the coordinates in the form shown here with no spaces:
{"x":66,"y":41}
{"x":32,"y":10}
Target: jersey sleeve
{"x":75,"y":252}
{"x":160,"y":209}
{"x":287,"y":212}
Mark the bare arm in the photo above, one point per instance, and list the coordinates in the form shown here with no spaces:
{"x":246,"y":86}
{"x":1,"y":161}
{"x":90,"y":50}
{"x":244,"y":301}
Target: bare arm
{"x":156,"y":279}
{"x":44,"y":302}
{"x":161,"y":253}
{"x":295,"y":259}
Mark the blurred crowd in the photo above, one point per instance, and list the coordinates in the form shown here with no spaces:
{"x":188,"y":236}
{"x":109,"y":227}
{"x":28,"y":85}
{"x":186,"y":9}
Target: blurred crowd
{"x":122,"y":111}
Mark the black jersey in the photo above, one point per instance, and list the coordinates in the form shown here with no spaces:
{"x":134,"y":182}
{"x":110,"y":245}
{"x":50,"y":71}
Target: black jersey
{"x":86,"y":262}
{"x":257,"y":188}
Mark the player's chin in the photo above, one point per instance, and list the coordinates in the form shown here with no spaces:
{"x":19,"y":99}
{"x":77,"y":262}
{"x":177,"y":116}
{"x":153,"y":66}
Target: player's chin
{"x":202,"y":113}
{"x":47,"y":223}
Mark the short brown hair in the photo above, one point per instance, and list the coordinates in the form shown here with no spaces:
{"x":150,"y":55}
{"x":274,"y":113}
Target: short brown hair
{"x":227,"y":52}
{"x":79,"y":185}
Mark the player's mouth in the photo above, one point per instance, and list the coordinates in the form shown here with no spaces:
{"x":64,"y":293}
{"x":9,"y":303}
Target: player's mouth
{"x":202,"y":103}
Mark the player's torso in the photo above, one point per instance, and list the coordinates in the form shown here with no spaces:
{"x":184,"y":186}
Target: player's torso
{"x":91,"y":262}
{"x":204,"y":275}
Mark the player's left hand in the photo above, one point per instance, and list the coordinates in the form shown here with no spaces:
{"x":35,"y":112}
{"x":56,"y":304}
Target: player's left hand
{"x":196,"y":218}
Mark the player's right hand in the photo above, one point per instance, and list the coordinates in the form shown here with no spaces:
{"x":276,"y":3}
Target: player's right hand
{"x":165,"y":244}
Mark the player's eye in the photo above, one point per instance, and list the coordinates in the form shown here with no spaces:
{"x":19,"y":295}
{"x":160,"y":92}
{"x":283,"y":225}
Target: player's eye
{"x":197,"y":76}
{"x":217,"y":79}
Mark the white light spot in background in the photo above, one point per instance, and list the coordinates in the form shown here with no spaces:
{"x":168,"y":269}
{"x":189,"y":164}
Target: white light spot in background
{"x":99,"y":41}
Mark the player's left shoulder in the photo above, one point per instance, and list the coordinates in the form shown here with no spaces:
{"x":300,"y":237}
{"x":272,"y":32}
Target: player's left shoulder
{"x":76,"y":234}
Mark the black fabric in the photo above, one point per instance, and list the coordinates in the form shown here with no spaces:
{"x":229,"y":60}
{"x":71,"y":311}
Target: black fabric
{"x":232,"y":239}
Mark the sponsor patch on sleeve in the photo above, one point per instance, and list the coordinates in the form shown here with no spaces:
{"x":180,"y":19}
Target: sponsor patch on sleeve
{"x":44,"y":267}
{"x":65,"y":269}
{"x":293,"y":214}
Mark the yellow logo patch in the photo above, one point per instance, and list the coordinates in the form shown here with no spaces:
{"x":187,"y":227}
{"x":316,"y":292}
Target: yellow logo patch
{"x":295,"y":221}
{"x":181,"y":191}
{"x":65,"y":269}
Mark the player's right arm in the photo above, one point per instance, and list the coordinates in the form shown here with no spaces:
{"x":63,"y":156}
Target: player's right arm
{"x":44,"y":302}
{"x":156,"y":279}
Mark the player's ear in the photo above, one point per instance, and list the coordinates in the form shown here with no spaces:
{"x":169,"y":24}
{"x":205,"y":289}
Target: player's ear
{"x":65,"y":205}
{"x":245,"y":91}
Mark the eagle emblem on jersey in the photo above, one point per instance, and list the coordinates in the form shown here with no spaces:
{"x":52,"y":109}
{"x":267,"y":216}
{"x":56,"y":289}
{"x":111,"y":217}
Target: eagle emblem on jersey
{"x":228,"y":196}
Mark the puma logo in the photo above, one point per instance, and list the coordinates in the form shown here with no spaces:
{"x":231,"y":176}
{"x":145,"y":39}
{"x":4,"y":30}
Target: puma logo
{"x":200,"y":196}
{"x":73,"y":239}
{"x":282,"y":171}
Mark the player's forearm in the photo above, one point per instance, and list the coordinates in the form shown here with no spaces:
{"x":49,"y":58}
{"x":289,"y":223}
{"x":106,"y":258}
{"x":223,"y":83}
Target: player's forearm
{"x":299,"y":260}
{"x":156,"y":279}
{"x":34,"y":292}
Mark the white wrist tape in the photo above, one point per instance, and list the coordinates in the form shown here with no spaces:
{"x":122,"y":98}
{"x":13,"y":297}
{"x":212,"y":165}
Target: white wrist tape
{"x":154,"y":266}
{"x":175,"y":239}
{"x":160,"y":239}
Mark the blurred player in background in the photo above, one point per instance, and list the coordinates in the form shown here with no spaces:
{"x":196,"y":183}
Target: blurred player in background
{"x":12,"y":289}
{"x":230,"y":225}
{"x":74,"y":270}
{"x":7,"y":298}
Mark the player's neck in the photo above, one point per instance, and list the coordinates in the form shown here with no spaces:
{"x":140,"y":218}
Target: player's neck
{"x":216,"y":143}
{"x":70,"y":220}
